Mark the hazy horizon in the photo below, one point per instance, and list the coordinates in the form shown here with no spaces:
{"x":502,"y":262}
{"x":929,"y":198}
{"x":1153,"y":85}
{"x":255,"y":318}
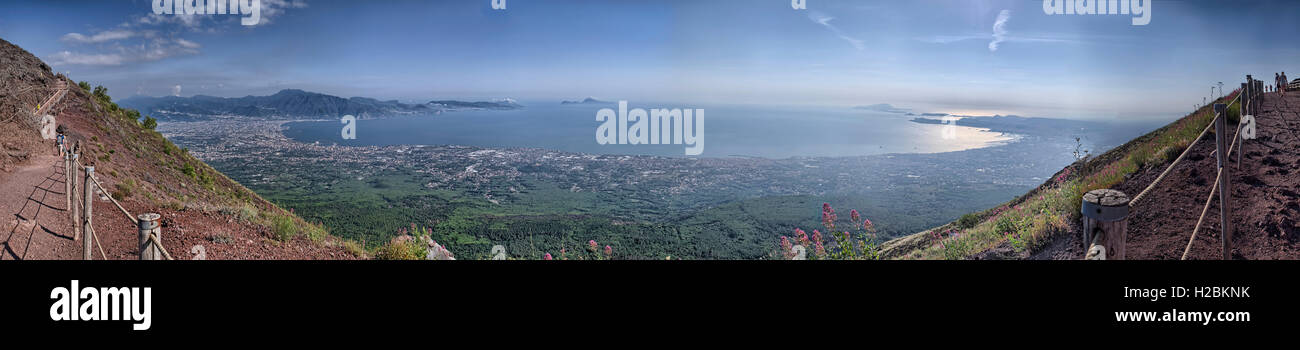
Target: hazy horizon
{"x":967,"y":58}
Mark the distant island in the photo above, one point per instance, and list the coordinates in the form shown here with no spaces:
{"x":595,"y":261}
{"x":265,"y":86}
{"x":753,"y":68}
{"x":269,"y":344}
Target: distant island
{"x":293,"y":104}
{"x":882,"y":107}
{"x":1020,"y":125}
{"x":498,"y":104}
{"x":585,"y":101}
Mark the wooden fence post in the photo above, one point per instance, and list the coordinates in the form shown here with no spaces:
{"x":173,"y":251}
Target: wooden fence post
{"x":1250,"y":93}
{"x":1247,"y":108}
{"x":90,"y":201}
{"x":67,"y":180}
{"x":148,"y":224}
{"x":1225,"y":186}
{"x":1105,"y":223}
{"x":72,"y":190}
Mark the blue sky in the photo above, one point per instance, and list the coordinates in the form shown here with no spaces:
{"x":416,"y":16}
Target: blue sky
{"x":925,"y":55}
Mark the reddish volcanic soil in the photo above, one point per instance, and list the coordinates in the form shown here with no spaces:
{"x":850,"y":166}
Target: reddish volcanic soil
{"x":37,"y":226}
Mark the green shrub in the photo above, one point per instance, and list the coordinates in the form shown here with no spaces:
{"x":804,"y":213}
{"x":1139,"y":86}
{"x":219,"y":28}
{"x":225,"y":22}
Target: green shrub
{"x":968,"y":221}
{"x":174,"y":205}
{"x":315,"y":232}
{"x":957,"y":249}
{"x":1005,"y":224}
{"x":355,"y":248}
{"x":245,"y":212}
{"x":149,"y":123}
{"x":407,"y":250}
{"x":283,"y":228}
{"x":124,"y":189}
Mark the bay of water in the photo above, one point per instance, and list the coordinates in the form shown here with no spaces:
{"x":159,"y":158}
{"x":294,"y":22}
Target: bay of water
{"x":729,"y":131}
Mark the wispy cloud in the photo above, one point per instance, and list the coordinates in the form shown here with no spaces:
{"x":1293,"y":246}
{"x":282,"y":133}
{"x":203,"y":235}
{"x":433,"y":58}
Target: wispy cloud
{"x":154,"y":50}
{"x":1000,"y":35}
{"x":1000,"y":29}
{"x":104,"y":36}
{"x":825,"y":21}
{"x":137,"y":40}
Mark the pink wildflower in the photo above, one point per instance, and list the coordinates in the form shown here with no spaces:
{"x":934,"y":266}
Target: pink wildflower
{"x":547,"y":256}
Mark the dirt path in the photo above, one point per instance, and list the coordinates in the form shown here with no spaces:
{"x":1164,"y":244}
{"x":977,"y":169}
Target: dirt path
{"x":37,"y":222}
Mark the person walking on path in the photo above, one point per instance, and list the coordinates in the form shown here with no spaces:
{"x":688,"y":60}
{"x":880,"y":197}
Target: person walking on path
{"x":1284,"y":84}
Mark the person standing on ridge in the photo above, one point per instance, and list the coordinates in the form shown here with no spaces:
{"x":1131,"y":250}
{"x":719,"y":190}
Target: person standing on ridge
{"x":1284,"y":83}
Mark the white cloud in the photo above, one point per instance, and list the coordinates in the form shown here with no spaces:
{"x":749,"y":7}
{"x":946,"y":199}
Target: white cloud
{"x":187,"y":44}
{"x":176,"y":90}
{"x":153,"y":19}
{"x":945,"y":39}
{"x":999,"y":29}
{"x":153,"y":50}
{"x":275,"y":8}
{"x":104,"y":36}
{"x":73,"y":58}
{"x":150,"y":46}
{"x":825,"y":21}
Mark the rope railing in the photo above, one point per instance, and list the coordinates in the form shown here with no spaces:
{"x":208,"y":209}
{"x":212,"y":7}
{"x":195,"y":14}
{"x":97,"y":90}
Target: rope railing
{"x":149,"y":239}
{"x":1210,"y":198}
{"x":1179,"y":159}
{"x":154,"y":239}
{"x":1105,"y":211}
{"x":119,"y":205}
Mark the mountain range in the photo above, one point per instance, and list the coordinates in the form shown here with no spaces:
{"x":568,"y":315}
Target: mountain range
{"x":589,"y":100}
{"x":292,"y":104}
